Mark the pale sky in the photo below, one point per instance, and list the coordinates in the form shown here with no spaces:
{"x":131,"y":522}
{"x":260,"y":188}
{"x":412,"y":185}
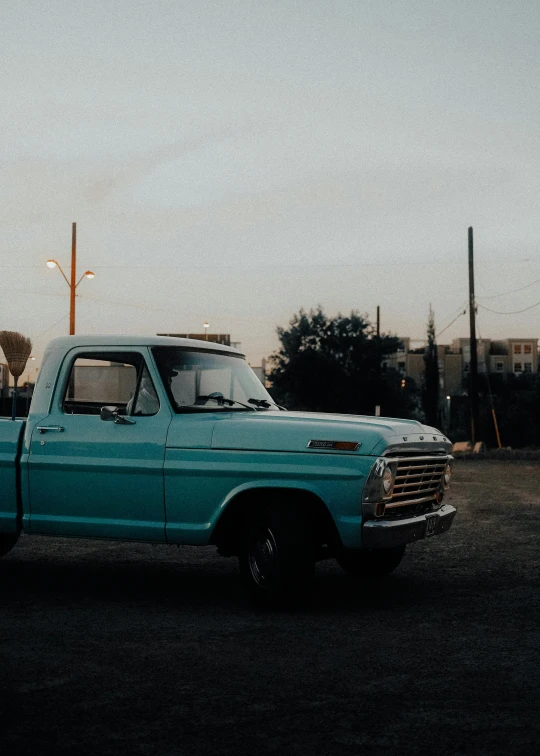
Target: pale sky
{"x":236,"y":161}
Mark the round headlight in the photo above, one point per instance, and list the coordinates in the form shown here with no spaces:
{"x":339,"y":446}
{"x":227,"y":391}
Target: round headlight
{"x":387,"y":480}
{"x":447,"y":475}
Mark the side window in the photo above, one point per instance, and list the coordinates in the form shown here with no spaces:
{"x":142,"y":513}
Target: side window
{"x":146,"y":401}
{"x":104,"y":379}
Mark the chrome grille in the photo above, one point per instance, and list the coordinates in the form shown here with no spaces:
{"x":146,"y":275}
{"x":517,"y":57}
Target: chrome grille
{"x":417,"y":480}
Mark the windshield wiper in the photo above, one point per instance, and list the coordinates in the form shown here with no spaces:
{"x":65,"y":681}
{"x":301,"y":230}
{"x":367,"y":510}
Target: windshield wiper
{"x":265,"y":403}
{"x":223,"y":400}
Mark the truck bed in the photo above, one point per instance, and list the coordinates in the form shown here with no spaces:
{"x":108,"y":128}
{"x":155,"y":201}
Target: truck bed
{"x":11,"y":434}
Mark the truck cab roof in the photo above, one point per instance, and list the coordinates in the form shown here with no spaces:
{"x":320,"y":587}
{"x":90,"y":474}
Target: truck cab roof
{"x":65,"y":343}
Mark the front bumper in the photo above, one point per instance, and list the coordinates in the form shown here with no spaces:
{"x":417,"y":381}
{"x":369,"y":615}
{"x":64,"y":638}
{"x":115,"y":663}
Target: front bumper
{"x":381,"y":534}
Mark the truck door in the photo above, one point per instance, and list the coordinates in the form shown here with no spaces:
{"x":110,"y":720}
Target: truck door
{"x":94,"y":477}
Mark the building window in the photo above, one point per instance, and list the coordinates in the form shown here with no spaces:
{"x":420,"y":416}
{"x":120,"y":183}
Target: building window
{"x":499,"y":367}
{"x":518,"y":368}
{"x":517,"y":348}
{"x":527,"y":367}
{"x":527,"y":348}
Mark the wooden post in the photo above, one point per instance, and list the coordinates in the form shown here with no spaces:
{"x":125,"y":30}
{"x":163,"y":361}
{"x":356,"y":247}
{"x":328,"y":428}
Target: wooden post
{"x":73,"y":284}
{"x":496,"y":428}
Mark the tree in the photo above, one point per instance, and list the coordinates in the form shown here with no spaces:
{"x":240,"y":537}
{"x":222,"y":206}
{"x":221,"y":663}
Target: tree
{"x":331,"y":365}
{"x":430,"y":393}
{"x":516,"y":400}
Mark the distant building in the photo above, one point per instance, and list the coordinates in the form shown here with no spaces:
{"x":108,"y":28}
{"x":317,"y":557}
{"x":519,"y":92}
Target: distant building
{"x":217,"y":338}
{"x":260,"y":372}
{"x":506,"y":356}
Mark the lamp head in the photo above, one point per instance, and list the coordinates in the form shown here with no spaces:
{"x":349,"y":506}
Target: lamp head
{"x":89,"y":274}
{"x":51,"y":263}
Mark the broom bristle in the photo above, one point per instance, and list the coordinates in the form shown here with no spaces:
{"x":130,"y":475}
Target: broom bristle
{"x":17,"y":349}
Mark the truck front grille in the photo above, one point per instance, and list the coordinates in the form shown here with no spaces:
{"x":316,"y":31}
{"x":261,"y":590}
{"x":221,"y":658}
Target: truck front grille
{"x":417,"y":480}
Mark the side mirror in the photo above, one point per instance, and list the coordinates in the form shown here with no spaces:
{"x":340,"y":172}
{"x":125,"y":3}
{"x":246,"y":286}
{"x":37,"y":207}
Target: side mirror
{"x":111,"y":413}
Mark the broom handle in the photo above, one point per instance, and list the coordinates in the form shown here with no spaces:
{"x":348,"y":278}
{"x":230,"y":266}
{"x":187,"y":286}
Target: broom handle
{"x":14,"y":401}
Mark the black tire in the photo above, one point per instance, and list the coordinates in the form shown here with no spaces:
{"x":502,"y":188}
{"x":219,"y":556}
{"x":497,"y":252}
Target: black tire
{"x":7,"y":542}
{"x":371,"y":563}
{"x":277,"y":556}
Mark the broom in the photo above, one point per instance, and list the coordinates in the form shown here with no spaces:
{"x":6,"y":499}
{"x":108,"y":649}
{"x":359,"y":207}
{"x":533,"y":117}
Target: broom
{"x":17,"y":349}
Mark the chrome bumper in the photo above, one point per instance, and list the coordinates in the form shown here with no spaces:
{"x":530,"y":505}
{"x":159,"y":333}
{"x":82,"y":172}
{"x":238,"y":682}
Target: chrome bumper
{"x":381,"y":534}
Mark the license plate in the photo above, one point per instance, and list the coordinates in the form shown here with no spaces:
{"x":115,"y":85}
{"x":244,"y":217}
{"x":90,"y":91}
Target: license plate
{"x":431,"y":523}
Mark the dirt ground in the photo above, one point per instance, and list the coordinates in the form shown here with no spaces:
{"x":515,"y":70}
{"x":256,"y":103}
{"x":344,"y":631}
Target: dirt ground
{"x":110,"y":648}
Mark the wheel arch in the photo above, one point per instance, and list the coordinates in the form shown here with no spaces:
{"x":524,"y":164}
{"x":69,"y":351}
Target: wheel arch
{"x":235,"y":510}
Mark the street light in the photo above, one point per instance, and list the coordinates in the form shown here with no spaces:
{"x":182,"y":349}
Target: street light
{"x":206,"y":326}
{"x":73,"y":284}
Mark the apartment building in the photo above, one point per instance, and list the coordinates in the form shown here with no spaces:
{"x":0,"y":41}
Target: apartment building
{"x":506,"y":356}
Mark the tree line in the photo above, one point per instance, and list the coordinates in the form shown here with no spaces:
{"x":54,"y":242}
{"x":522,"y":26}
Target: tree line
{"x":333,"y":364}
{"x":329,"y":364}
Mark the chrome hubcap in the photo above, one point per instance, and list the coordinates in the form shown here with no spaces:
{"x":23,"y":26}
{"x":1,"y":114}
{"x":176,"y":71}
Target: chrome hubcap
{"x":263,"y":558}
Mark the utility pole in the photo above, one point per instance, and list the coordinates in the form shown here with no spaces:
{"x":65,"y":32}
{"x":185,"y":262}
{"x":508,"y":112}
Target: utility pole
{"x":378,"y":358}
{"x":473,"y":364}
{"x":73,"y":284}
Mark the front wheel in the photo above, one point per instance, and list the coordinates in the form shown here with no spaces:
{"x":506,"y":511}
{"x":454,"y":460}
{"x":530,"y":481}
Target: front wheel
{"x":371,"y":563}
{"x":277,"y":557}
{"x":7,"y":542}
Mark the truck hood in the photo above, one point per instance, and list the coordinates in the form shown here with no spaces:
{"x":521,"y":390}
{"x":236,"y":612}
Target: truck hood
{"x":292,"y":432}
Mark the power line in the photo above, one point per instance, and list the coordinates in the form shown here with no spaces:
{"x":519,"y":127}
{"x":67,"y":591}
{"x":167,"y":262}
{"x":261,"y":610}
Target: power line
{"x":464,"y":312}
{"x":512,"y":312}
{"x":39,"y":293}
{"x":266,"y":266}
{"x":512,"y":291}
{"x":64,"y":317}
{"x":148,"y":307}
{"x":134,"y":305}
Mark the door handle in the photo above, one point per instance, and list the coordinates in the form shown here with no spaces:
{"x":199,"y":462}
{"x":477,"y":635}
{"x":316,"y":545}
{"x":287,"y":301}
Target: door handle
{"x":50,"y":428}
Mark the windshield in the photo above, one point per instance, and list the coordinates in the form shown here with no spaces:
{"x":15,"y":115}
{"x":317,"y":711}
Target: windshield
{"x":199,"y":380}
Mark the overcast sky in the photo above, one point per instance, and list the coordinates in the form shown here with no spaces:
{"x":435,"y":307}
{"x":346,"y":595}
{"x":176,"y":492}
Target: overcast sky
{"x":236,"y":161}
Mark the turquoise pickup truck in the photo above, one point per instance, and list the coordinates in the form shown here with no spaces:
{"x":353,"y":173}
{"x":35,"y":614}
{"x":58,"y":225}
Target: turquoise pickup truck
{"x":176,"y":441}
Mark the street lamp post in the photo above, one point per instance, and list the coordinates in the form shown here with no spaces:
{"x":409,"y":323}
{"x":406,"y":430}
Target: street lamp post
{"x":73,"y":284}
{"x":206,"y":326}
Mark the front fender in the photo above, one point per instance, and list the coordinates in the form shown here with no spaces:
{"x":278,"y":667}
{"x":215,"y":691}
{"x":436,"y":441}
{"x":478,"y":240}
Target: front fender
{"x":201,"y":483}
